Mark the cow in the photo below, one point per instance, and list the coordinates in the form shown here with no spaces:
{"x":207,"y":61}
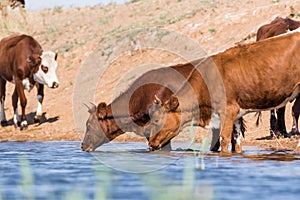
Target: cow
{"x":129,"y":112}
{"x":23,"y":62}
{"x":259,"y":76}
{"x":13,"y":4}
{"x":277,"y":125}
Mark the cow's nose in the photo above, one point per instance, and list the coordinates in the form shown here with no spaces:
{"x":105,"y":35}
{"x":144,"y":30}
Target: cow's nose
{"x":83,"y":147}
{"x":55,"y":85}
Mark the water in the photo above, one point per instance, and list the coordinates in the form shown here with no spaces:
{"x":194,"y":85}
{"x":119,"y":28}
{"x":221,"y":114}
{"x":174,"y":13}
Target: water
{"x":42,"y":4}
{"x":60,"y":170}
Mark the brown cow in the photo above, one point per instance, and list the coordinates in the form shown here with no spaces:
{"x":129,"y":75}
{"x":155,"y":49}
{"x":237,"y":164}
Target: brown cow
{"x":276,"y":27}
{"x":107,"y":122}
{"x":130,"y":111}
{"x":258,"y":76}
{"x":23,"y":63}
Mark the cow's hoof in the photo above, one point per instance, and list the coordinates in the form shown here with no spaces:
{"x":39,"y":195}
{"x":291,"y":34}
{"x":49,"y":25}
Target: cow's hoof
{"x":23,"y":125}
{"x":294,"y":131}
{"x":17,"y":124}
{"x":37,"y":118}
{"x":4,"y":123}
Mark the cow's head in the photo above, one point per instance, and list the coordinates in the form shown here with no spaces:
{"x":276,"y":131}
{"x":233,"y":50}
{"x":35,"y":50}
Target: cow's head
{"x":100,"y":127}
{"x":165,"y":122}
{"x":46,"y":74}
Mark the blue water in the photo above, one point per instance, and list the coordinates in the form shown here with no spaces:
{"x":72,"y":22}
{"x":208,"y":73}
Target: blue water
{"x":42,"y":4}
{"x":60,"y":170}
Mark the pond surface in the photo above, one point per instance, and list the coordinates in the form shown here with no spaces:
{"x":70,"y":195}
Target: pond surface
{"x":60,"y":170}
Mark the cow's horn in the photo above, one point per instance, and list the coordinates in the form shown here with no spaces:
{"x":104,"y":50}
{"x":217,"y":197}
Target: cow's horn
{"x":157,"y":100}
{"x":92,"y":104}
{"x":90,"y":108}
{"x":86,"y":106}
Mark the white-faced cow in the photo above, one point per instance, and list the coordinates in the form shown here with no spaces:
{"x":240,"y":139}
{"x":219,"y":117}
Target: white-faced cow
{"x":260,"y":76}
{"x":23,"y":63}
{"x":276,"y":27}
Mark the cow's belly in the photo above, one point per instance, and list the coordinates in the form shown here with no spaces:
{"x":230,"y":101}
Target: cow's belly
{"x":6,"y":76}
{"x":261,"y":104}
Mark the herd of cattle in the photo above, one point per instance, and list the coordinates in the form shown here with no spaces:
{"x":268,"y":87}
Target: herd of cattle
{"x":263,"y":75}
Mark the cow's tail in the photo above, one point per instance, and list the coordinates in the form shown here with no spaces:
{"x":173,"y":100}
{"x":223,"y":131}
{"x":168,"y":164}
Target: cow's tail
{"x":258,"y":115}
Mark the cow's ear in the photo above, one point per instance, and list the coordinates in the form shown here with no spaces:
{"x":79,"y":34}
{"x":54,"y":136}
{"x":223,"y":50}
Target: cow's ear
{"x":34,"y":61}
{"x":101,"y":110}
{"x":172,"y":104}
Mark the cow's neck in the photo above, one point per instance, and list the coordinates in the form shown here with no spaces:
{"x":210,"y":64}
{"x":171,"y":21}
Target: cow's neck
{"x":202,"y":95}
{"x":119,"y":123}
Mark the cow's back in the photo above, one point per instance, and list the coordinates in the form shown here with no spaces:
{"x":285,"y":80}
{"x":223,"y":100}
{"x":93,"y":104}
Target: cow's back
{"x":14,"y":50}
{"x":140,"y":95}
{"x":262,"y":74}
{"x":276,"y":27}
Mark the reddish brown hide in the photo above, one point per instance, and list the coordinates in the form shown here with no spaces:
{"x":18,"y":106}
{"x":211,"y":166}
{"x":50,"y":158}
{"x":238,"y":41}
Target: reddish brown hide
{"x":19,"y":59}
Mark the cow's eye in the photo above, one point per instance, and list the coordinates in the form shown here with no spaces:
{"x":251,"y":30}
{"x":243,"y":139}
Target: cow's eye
{"x":45,"y":69}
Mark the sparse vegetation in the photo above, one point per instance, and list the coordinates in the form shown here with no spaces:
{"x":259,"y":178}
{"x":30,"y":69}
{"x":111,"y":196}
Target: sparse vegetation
{"x":57,"y":9}
{"x":212,"y":30}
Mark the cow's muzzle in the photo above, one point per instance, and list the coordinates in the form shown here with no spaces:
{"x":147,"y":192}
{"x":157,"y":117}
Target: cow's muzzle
{"x":55,"y":85}
{"x":87,"y":149}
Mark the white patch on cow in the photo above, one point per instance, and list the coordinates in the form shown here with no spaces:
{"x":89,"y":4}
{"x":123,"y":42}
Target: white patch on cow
{"x":237,"y":126}
{"x":24,"y":123}
{"x":48,"y":60}
{"x":220,"y":139}
{"x":16,"y":116}
{"x":214,"y":122}
{"x":297,"y":30}
{"x":39,"y":111}
{"x":13,"y":80}
{"x":26,"y":84}
{"x":3,"y":117}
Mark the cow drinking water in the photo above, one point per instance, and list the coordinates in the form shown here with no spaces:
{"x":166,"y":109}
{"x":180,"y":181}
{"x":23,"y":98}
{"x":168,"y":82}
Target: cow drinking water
{"x":247,"y":73}
{"x":130,"y":111}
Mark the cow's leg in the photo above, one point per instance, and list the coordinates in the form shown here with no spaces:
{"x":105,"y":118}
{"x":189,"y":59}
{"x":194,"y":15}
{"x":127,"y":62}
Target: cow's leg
{"x":236,"y":136}
{"x":23,"y":102}
{"x":2,"y":99}
{"x":281,"y":121}
{"x":295,"y":114}
{"x":226,"y":133}
{"x":40,"y":98}
{"x":273,"y":123}
{"x":215,"y":142}
{"x":16,"y":118}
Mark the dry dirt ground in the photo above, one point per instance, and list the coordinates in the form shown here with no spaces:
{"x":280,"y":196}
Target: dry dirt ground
{"x":77,"y":32}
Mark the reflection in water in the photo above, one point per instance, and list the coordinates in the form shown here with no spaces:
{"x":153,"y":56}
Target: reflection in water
{"x":277,"y":156}
{"x":60,"y":170}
